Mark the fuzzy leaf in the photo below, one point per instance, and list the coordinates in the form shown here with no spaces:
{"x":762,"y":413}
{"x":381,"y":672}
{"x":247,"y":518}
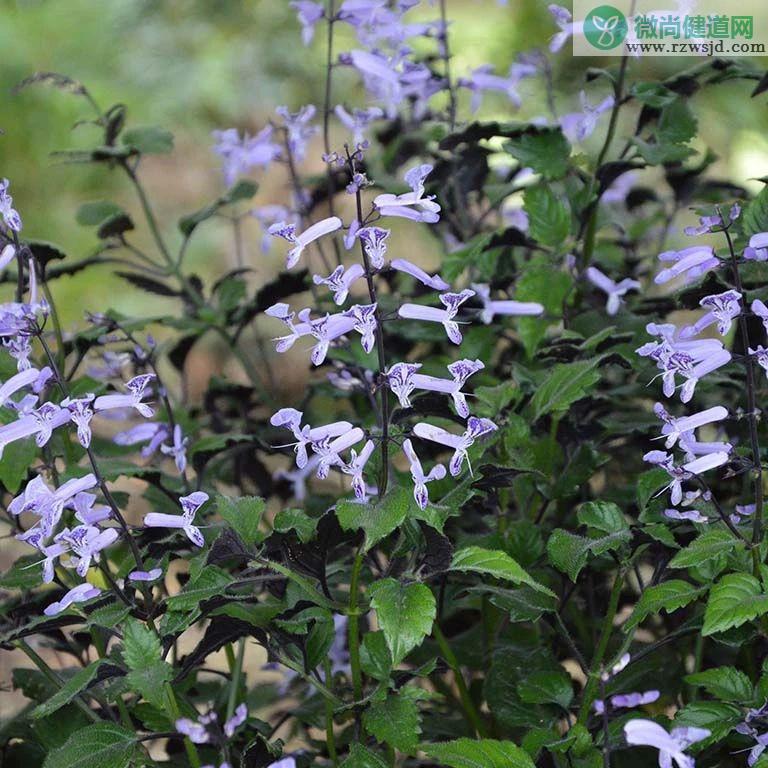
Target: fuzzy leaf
{"x":566,"y":384}
{"x":481,"y":753}
{"x":667,"y":596}
{"x":736,"y":599}
{"x":709,"y":545}
{"x":95,"y":746}
{"x":724,"y":683}
{"x":493,"y":562}
{"x":244,"y":515}
{"x":74,"y":685}
{"x":394,"y":721}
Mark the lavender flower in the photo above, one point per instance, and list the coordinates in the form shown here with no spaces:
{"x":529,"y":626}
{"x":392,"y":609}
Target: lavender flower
{"x":330,"y":450}
{"x":340,"y":281}
{"x":758,"y":308}
{"x":578,"y":126}
{"x":196,"y":730}
{"x":38,"y":423}
{"x":761,"y":355}
{"x":298,"y":129}
{"x":436,"y":282}
{"x":240,"y":155}
{"x":646,"y":733}
{"x":178,"y":449}
{"x":451,"y":301}
{"x":133,"y":399}
{"x":618,"y":191}
{"x":707,"y":225}
{"x":306,"y":435}
{"x":381,"y":78}
{"x":674,"y":428}
{"x":374,"y":240}
{"x":476,"y":428}
{"x":692,"y":515}
{"x":363,"y":317}
{"x":420,"y":480}
{"x":85,"y":541}
{"x":152,"y":575}
{"x":81,"y":413}
{"x":742,"y":510}
{"x":627,"y":701}
{"x":7,"y":255}
{"x":615,"y":291}
{"x":411,"y":205}
{"x":358,"y":121}
{"x":238,"y":718}
{"x":690,"y":262}
{"x":491,"y":308}
{"x":189,"y":505}
{"x":723,"y":308}
{"x":679,"y":475}
{"x":327,"y":329}
{"x":483,"y":79}
{"x":758,"y":247}
{"x":153,"y":433}
{"x":10,"y":215}
{"x":86,"y":509}
{"x":562,"y":17}
{"x":29,"y":377}
{"x":78,"y":594}
{"x":309,"y":13}
{"x":355,"y":468}
{"x":301,"y":241}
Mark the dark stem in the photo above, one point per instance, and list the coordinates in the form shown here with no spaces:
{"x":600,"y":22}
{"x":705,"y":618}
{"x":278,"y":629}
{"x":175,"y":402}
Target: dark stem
{"x":445,"y":54}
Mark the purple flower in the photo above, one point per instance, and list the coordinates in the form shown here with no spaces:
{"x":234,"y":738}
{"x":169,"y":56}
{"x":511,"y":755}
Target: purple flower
{"x":723,"y":308}
{"x":578,"y":126}
{"x":509,"y":308}
{"x":309,"y":13}
{"x":411,"y":205}
{"x":618,"y":191}
{"x":7,"y":255}
{"x":420,"y":480}
{"x":374,"y":240}
{"x":742,"y":510}
{"x":329,"y":450}
{"x":436,"y":282}
{"x":10,"y":215}
{"x":758,"y":247}
{"x":285,"y":762}
{"x":381,"y":78}
{"x":327,"y":329}
{"x":355,"y":468}
{"x":152,"y":575}
{"x":189,"y":505}
{"x":680,"y":474}
{"x":195,"y":730}
{"x":239,"y":155}
{"x":282,"y":312}
{"x":758,"y":308}
{"x":460,"y":443}
{"x":761,"y":355}
{"x":85,"y":541}
{"x":692,"y":515}
{"x":136,"y":389}
{"x":301,"y":241}
{"x":707,"y":225}
{"x":691,"y":262}
{"x":298,"y":128}
{"x":358,"y":121}
{"x":674,"y":428}
{"x":38,"y":423}
{"x":81,"y":413}
{"x":29,"y":377}
{"x":86,"y":509}
{"x":646,"y":733}
{"x":152,"y":433}
{"x":306,"y":435}
{"x":340,"y":281}
{"x":562,"y":17}
{"x":238,"y":718}
{"x":451,"y":301}
{"x":298,"y":477}
{"x":483,"y":79}
{"x":614,"y":291}
{"x":627,"y":700}
{"x":178,"y":449}
{"x":78,"y":594}
{"x":363,"y":317}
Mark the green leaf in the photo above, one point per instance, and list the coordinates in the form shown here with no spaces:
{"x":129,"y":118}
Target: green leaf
{"x":602,"y":516}
{"x":715,"y":716}
{"x":102,"y":745}
{"x":375,"y":658}
{"x":209,"y":583}
{"x":149,"y":681}
{"x":379,"y":519}
{"x":540,"y":283}
{"x":546,"y":150}
{"x":653,"y":94}
{"x":149,"y":141}
{"x":677,"y":124}
{"x":656,"y":154}
{"x":244,"y":515}
{"x":295,"y":520}
{"x":94,"y":213}
{"x":546,"y":688}
{"x":242,"y":190}
{"x":405,"y":613}
{"x":709,"y":545}
{"x":493,"y":400}
{"x":74,"y":685}
{"x":493,"y":562}
{"x":566,"y":384}
{"x":736,"y":599}
{"x":648,"y":483}
{"x":568,"y":552}
{"x":523,"y":604}
{"x":394,"y":721}
{"x":667,"y":596}
{"x":141,"y":646}
{"x":724,"y":683}
{"x":754,"y":219}
{"x":549,"y":220}
{"x":362,"y":757}
{"x":23,"y":574}
{"x":18,"y":456}
{"x":481,"y":753}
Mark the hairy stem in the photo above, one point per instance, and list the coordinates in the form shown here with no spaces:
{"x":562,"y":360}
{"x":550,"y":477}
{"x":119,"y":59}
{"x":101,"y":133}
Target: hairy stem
{"x":353,"y":628}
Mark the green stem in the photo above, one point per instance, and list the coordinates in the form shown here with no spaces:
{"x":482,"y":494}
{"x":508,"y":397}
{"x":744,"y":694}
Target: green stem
{"x":353,"y":627}
{"x":330,"y":736}
{"x":236,"y":670}
{"x":470,"y":711}
{"x":602,"y":645}
{"x":175,"y":712}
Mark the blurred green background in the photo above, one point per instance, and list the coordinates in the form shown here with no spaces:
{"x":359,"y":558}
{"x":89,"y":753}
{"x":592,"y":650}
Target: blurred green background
{"x":192,"y":66}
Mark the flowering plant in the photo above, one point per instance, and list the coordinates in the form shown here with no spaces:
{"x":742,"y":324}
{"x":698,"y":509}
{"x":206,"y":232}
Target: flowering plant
{"x":463,"y":544}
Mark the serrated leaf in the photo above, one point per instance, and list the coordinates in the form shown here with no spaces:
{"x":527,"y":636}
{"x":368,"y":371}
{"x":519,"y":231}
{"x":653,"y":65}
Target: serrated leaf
{"x":375,"y":658}
{"x":716,"y":717}
{"x":546,"y":688}
{"x":93,"y":213}
{"x":549,"y":220}
{"x":668,"y":596}
{"x":724,"y":683}
{"x":295,"y":520}
{"x":362,"y":757}
{"x":709,"y":545}
{"x":677,"y":124}
{"x":566,"y":384}
{"x":209,"y":583}
{"x":481,"y":753}
{"x":378,"y":519}
{"x":736,"y":599}
{"x":493,"y":562}
{"x":141,"y":646}
{"x":150,"y":140}
{"x":546,"y":150}
{"x":394,"y":721}
{"x":405,"y":613}
{"x":244,"y":515}
{"x":149,"y":681}
{"x":71,"y":688}
{"x":542,"y":284}
{"x":602,"y":516}
{"x":102,"y":745}
{"x":242,"y":190}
